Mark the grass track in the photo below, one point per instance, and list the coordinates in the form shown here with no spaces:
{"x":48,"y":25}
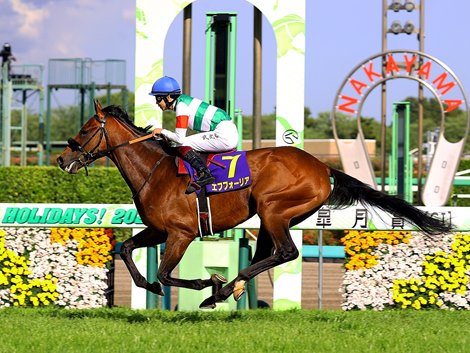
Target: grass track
{"x":123,"y":330}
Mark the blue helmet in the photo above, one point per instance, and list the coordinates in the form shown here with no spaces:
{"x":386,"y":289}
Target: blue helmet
{"x":164,"y":86}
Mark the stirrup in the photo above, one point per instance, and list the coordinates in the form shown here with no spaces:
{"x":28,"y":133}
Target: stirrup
{"x":198,"y":184}
{"x":192,"y":187}
{"x":209,"y":179}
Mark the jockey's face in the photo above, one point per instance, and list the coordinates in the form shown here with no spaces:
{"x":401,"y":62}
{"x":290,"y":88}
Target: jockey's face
{"x":160,"y":100}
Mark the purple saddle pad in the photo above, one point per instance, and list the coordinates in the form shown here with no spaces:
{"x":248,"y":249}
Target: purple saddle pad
{"x":230,"y":170}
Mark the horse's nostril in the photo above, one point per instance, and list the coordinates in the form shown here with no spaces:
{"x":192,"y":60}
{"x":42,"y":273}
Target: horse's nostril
{"x":60,"y":160}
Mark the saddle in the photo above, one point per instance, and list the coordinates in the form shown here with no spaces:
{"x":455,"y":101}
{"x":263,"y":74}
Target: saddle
{"x":231,"y":172}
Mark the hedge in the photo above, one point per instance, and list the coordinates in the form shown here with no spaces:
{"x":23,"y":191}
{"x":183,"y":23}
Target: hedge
{"x":464,"y":165}
{"x":52,"y":185}
{"x":69,"y":281}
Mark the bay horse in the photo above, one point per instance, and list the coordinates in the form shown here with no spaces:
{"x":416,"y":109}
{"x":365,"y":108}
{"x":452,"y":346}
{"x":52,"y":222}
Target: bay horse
{"x":288,"y":186}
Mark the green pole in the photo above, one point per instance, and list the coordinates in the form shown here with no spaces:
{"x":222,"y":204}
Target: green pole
{"x":244,"y":262}
{"x":7,"y":91}
{"x":208,"y":91}
{"x":238,"y":233}
{"x":48,"y":126}
{"x":91,"y":100}
{"x":166,"y":300}
{"x":409,"y":179}
{"x":232,"y":65}
{"x":24,"y":128}
{"x":41,"y":126}
{"x":239,"y":121}
{"x":108,"y":94}
{"x":392,"y":169}
{"x":408,"y":161}
{"x":252,"y":289}
{"x":151,"y":298}
{"x":125,"y":99}
{"x":401,"y":171}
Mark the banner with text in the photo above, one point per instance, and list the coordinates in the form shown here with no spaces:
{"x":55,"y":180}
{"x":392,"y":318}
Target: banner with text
{"x":126,"y":216}
{"x":69,"y":215}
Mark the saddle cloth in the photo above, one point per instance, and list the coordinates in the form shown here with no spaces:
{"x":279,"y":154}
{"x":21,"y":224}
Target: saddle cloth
{"x":230,"y":170}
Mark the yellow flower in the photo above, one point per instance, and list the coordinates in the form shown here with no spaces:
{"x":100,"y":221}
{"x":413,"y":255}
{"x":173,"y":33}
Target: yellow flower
{"x":94,"y":245}
{"x":416,"y":304}
{"x":360,"y":243}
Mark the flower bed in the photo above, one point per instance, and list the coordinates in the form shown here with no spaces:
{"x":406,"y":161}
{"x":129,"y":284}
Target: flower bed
{"x":59,"y":266}
{"x":392,"y":269}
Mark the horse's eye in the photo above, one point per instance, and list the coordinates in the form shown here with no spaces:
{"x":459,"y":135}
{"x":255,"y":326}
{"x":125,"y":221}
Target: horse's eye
{"x":74,"y":145}
{"x":83,"y":132}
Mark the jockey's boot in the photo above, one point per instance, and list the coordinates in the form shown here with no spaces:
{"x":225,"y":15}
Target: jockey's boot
{"x":204,"y":175}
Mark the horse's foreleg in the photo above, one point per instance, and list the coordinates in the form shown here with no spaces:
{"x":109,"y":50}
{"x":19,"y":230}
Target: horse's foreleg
{"x":174,"y":251}
{"x":146,"y":238}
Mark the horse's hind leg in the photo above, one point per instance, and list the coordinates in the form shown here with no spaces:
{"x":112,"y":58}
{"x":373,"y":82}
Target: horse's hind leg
{"x":264,"y":246}
{"x":285,"y":250}
{"x":146,"y":238}
{"x":264,"y":249}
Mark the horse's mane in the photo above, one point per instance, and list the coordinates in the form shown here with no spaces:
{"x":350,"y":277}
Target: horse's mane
{"x":122,"y":115}
{"x":119,"y":113}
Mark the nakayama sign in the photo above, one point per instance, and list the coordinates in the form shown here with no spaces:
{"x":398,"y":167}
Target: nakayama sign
{"x":430,"y":73}
{"x":393,"y":64}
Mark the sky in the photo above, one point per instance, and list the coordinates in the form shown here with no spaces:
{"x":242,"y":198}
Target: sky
{"x":339,"y":35}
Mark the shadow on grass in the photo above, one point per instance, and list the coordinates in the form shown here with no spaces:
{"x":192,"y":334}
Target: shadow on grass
{"x":182,"y":317}
{"x":141,"y":316}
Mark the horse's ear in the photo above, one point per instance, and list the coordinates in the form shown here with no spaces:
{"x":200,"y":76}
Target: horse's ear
{"x":98,"y":107}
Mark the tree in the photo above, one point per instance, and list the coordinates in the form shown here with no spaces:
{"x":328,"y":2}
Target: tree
{"x":65,"y":121}
{"x":454,"y":126}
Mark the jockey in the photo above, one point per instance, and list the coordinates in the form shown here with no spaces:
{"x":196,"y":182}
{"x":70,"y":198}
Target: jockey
{"x":216,"y":131}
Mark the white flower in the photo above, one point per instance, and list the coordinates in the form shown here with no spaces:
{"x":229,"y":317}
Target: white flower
{"x":372,"y":288}
{"x":78,"y":286}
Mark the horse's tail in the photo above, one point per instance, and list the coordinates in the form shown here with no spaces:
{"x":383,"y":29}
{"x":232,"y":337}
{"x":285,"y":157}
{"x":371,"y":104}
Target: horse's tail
{"x":348,"y":190}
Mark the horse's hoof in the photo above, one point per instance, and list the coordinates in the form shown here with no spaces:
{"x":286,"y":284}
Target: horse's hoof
{"x":239,"y":289}
{"x":218,"y":279}
{"x":208,"y":303}
{"x":155,"y":288}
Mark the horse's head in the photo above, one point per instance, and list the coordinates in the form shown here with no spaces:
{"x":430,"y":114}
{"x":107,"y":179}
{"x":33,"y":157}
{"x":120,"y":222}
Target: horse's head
{"x":88,"y":145}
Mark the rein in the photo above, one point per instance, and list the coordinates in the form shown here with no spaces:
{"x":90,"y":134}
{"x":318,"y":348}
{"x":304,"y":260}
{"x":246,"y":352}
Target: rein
{"x":148,"y":177}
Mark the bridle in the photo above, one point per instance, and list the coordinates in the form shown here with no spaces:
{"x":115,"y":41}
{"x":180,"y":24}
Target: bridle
{"x":87,"y":157}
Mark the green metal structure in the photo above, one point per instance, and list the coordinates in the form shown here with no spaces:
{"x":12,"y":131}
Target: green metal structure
{"x":221,"y":49}
{"x":84,"y":76}
{"x":19,"y":83}
{"x":401,"y":163}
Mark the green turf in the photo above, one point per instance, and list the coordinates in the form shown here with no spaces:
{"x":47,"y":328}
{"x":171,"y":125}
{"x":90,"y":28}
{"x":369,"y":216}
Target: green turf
{"x":125,"y":330}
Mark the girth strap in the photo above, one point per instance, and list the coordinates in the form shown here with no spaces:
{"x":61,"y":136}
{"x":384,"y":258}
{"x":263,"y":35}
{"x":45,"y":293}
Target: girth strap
{"x":204,"y":214}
